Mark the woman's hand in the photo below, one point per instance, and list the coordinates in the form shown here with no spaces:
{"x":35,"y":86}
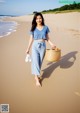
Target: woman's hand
{"x":27,"y":51}
{"x":53,"y":47}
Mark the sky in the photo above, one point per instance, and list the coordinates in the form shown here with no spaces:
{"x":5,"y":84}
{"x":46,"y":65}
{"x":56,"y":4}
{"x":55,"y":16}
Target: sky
{"x":23,"y":7}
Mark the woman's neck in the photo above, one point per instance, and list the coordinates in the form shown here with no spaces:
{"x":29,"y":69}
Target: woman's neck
{"x":39,"y":25}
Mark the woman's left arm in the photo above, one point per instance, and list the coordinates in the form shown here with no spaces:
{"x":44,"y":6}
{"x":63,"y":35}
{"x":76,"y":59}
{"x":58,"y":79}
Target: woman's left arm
{"x":50,"y":42}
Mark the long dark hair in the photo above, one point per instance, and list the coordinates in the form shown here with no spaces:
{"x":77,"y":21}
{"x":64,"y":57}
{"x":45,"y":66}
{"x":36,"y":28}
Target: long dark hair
{"x":34,"y":24}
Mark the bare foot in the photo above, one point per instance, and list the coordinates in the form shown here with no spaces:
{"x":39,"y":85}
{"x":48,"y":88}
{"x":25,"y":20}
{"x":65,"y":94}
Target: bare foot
{"x":37,"y":81}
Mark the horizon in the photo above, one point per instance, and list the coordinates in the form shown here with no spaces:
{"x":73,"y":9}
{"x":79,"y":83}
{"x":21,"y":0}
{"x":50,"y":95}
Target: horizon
{"x":23,"y":7}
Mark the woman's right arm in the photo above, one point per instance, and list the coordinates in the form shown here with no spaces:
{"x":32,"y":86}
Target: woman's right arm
{"x":30,"y":44}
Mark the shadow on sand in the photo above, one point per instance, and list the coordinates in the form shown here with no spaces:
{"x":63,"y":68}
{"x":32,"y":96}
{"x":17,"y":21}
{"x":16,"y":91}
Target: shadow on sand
{"x":66,"y":61}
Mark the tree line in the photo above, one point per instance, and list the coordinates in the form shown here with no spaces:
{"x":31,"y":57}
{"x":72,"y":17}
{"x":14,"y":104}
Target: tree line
{"x":66,"y":7}
{"x":62,"y":8}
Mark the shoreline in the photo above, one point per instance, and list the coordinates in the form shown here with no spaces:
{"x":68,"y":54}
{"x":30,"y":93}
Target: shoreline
{"x":10,"y":26}
{"x":73,"y":26}
{"x":68,"y":23}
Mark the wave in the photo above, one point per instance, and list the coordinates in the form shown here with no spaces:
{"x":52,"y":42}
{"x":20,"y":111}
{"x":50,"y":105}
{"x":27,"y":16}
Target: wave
{"x":7,"y":27}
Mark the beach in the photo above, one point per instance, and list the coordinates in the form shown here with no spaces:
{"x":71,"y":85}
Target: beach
{"x":60,"y":91}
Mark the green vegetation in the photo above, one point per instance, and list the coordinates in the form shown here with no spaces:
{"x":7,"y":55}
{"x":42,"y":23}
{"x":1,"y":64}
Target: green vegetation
{"x":75,"y":7}
{"x":65,"y":11}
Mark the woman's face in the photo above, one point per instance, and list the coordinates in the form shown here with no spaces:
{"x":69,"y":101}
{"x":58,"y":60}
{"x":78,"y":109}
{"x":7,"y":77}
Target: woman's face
{"x":39,"y":20}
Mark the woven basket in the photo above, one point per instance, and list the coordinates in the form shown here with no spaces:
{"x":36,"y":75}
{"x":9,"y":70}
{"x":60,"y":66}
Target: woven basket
{"x":53,"y":55}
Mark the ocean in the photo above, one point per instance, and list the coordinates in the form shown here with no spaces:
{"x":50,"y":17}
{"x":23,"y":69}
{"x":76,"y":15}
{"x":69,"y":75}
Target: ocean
{"x":7,"y":27}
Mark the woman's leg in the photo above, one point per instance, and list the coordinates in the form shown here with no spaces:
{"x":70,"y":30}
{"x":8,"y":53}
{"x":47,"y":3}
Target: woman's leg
{"x":37,"y":58}
{"x":42,"y":53}
{"x":36,"y":63}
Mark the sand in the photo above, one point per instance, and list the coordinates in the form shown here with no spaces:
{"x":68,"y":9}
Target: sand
{"x":60,"y":91}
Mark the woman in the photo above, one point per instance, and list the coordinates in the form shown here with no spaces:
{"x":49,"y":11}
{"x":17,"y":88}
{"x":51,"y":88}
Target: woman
{"x":38,"y":36}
